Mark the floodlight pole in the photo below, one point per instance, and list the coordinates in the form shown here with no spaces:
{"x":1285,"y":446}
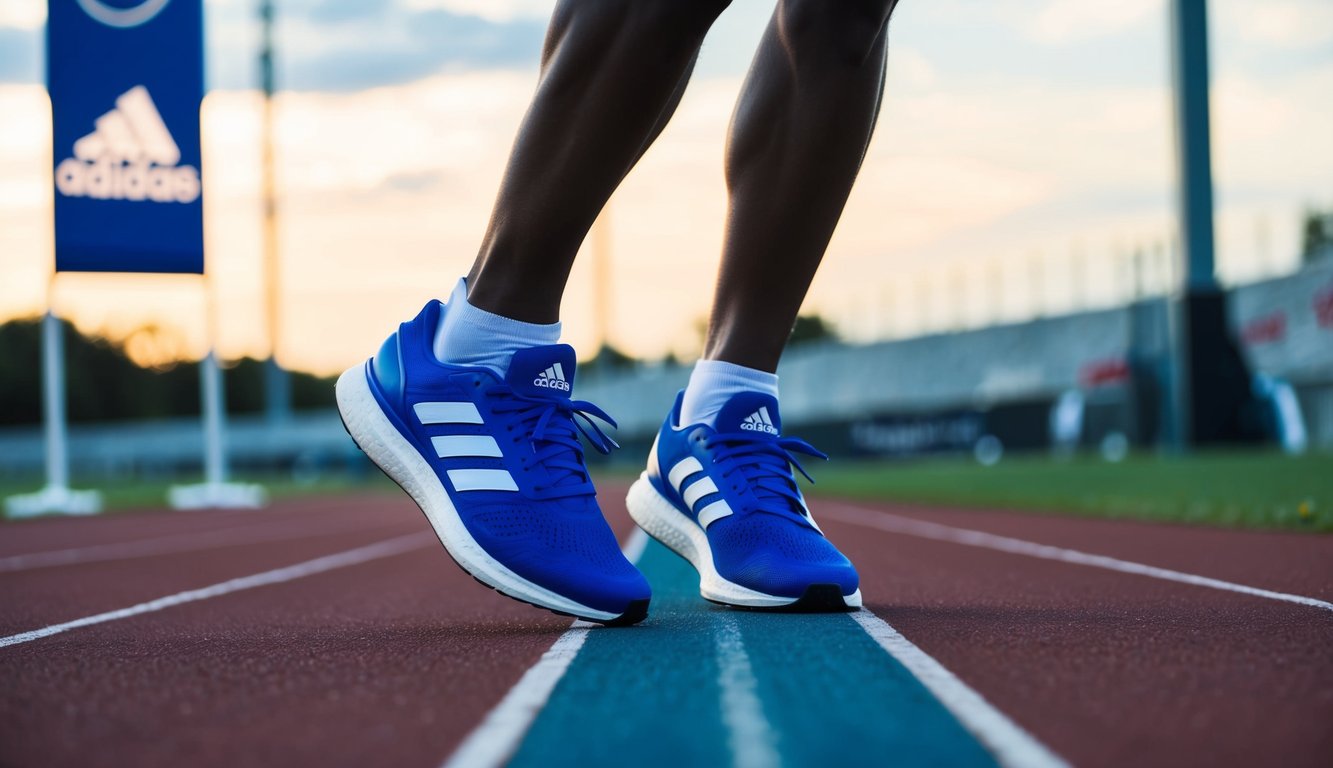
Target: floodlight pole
{"x":1207,"y":384}
{"x":1189,"y":29}
{"x":277,"y":384}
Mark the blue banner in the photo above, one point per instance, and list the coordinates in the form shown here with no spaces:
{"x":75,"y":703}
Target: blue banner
{"x":126,"y":78}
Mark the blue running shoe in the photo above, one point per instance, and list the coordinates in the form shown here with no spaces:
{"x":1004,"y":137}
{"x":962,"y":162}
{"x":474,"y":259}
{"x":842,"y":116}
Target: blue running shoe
{"x":726,"y":501}
{"x":497,"y":466}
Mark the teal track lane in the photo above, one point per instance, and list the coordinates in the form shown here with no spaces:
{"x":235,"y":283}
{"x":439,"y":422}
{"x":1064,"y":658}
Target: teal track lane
{"x":670,"y":692}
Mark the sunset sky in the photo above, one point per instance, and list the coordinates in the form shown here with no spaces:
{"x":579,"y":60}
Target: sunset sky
{"x":1016,"y":133}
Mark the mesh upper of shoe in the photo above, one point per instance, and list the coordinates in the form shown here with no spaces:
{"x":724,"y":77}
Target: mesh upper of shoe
{"x":557,"y":530}
{"x":756,"y":531}
{"x":767,"y":553}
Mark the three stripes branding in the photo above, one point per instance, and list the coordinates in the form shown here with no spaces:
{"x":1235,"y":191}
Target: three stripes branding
{"x":759,"y":421}
{"x":130,"y":155}
{"x":694,"y":485}
{"x":465,"y":446}
{"x":552,"y":378}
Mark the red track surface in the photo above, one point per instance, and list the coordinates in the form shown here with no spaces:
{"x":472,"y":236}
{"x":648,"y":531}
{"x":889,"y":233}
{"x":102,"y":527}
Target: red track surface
{"x":394,"y":661}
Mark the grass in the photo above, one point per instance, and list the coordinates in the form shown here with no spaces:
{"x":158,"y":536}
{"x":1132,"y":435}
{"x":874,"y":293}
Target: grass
{"x":1250,"y":489}
{"x":1238,"y":489}
{"x":125,"y":494}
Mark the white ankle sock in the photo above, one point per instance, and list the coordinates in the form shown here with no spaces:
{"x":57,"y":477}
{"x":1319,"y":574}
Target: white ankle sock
{"x":474,"y":337}
{"x":714,"y":382}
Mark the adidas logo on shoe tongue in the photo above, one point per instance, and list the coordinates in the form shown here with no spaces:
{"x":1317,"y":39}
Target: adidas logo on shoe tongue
{"x":552,"y":378}
{"x":759,"y":421}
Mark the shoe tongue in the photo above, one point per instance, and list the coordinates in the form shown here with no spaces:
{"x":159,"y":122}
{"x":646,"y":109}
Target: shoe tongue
{"x":751,"y":412}
{"x":547,"y":370}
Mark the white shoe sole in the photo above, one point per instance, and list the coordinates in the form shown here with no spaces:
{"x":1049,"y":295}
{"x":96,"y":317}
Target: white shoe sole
{"x":661,"y":520}
{"x":380,"y":440}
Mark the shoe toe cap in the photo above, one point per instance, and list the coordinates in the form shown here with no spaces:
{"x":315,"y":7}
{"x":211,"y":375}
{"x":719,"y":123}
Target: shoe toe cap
{"x":775,"y":575}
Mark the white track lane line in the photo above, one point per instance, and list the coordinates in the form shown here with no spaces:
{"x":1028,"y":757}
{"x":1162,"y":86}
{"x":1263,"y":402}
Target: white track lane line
{"x":751,"y":738}
{"x":177,"y":543}
{"x":387,"y":548}
{"x":891,"y":523}
{"x":497,"y":738}
{"x":1005,"y":740}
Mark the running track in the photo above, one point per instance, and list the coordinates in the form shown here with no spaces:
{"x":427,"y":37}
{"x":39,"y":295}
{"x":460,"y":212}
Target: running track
{"x":336,"y":632}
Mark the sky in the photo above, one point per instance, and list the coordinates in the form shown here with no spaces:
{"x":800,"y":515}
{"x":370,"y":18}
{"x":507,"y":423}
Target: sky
{"x":1024,"y":151}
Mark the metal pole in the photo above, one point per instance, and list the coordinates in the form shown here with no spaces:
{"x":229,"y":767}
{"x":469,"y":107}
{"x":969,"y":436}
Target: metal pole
{"x":214,"y":400}
{"x":53,"y":402}
{"x":1210,"y":377}
{"x":601,"y":277}
{"x":1189,"y":69}
{"x":215,"y":470}
{"x":1189,"y":28}
{"x":277,"y":385}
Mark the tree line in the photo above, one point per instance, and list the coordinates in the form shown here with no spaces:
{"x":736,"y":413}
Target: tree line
{"x":104,"y":384}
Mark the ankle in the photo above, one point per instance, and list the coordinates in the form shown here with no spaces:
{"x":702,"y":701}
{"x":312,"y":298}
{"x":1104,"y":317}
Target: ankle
{"x":475,"y":336}
{"x":714,"y":382}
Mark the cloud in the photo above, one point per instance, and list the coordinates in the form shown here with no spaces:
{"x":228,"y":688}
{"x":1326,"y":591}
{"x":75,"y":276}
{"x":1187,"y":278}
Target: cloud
{"x":20,"y":55}
{"x":491,"y":10}
{"x":345,"y":45}
{"x":331,"y":45}
{"x":1288,"y":23}
{"x":23,"y":14}
{"x":340,"y":11}
{"x":1062,"y":22}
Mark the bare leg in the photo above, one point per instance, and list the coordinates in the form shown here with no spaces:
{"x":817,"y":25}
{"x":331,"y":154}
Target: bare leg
{"x":799,"y":133}
{"x":612,"y":74}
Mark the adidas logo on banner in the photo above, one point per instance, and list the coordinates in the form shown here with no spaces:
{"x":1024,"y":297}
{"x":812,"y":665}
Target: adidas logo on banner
{"x":552,"y":378}
{"x":130,"y":155}
{"x":759,"y":421}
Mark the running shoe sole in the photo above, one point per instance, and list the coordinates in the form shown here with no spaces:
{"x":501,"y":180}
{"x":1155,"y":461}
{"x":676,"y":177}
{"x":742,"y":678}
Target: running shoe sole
{"x":659,"y":518}
{"x":381,"y":441}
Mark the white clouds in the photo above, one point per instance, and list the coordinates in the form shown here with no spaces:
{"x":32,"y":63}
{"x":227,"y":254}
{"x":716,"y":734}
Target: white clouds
{"x":1288,"y":23}
{"x":909,"y":68}
{"x":1067,"y":21}
{"x":491,"y":10}
{"x":979,"y":156}
{"x":23,"y":14}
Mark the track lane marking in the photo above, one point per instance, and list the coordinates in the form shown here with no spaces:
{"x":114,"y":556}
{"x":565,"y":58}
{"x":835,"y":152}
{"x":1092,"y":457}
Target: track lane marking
{"x":382,"y":549}
{"x":750,"y":736}
{"x":1008,"y":743}
{"x":494,"y":741}
{"x":498,"y":736}
{"x":176,"y":543}
{"x":907,"y":526}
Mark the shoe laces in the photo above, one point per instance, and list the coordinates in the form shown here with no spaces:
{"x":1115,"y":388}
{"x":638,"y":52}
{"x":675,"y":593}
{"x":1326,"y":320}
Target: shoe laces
{"x":554,"y":425}
{"x":763,"y":465}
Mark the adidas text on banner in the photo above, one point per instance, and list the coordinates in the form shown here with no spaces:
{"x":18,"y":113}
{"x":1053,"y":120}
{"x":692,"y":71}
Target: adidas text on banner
{"x":130,"y":155}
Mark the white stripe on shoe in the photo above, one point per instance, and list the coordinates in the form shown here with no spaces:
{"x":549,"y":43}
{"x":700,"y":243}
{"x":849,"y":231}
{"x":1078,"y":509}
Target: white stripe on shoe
{"x":482,"y":480}
{"x":454,"y":446}
{"x":698,"y":490}
{"x":683,"y":469}
{"x":447,"y":413}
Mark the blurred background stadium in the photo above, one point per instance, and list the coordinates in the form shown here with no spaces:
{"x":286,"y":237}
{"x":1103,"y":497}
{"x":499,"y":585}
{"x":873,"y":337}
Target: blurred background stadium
{"x":994,"y":314}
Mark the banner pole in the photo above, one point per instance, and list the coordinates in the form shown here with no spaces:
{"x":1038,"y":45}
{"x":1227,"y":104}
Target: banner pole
{"x":215,"y":460}
{"x":56,"y":497}
{"x":216,"y":491}
{"x":53,"y":397}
